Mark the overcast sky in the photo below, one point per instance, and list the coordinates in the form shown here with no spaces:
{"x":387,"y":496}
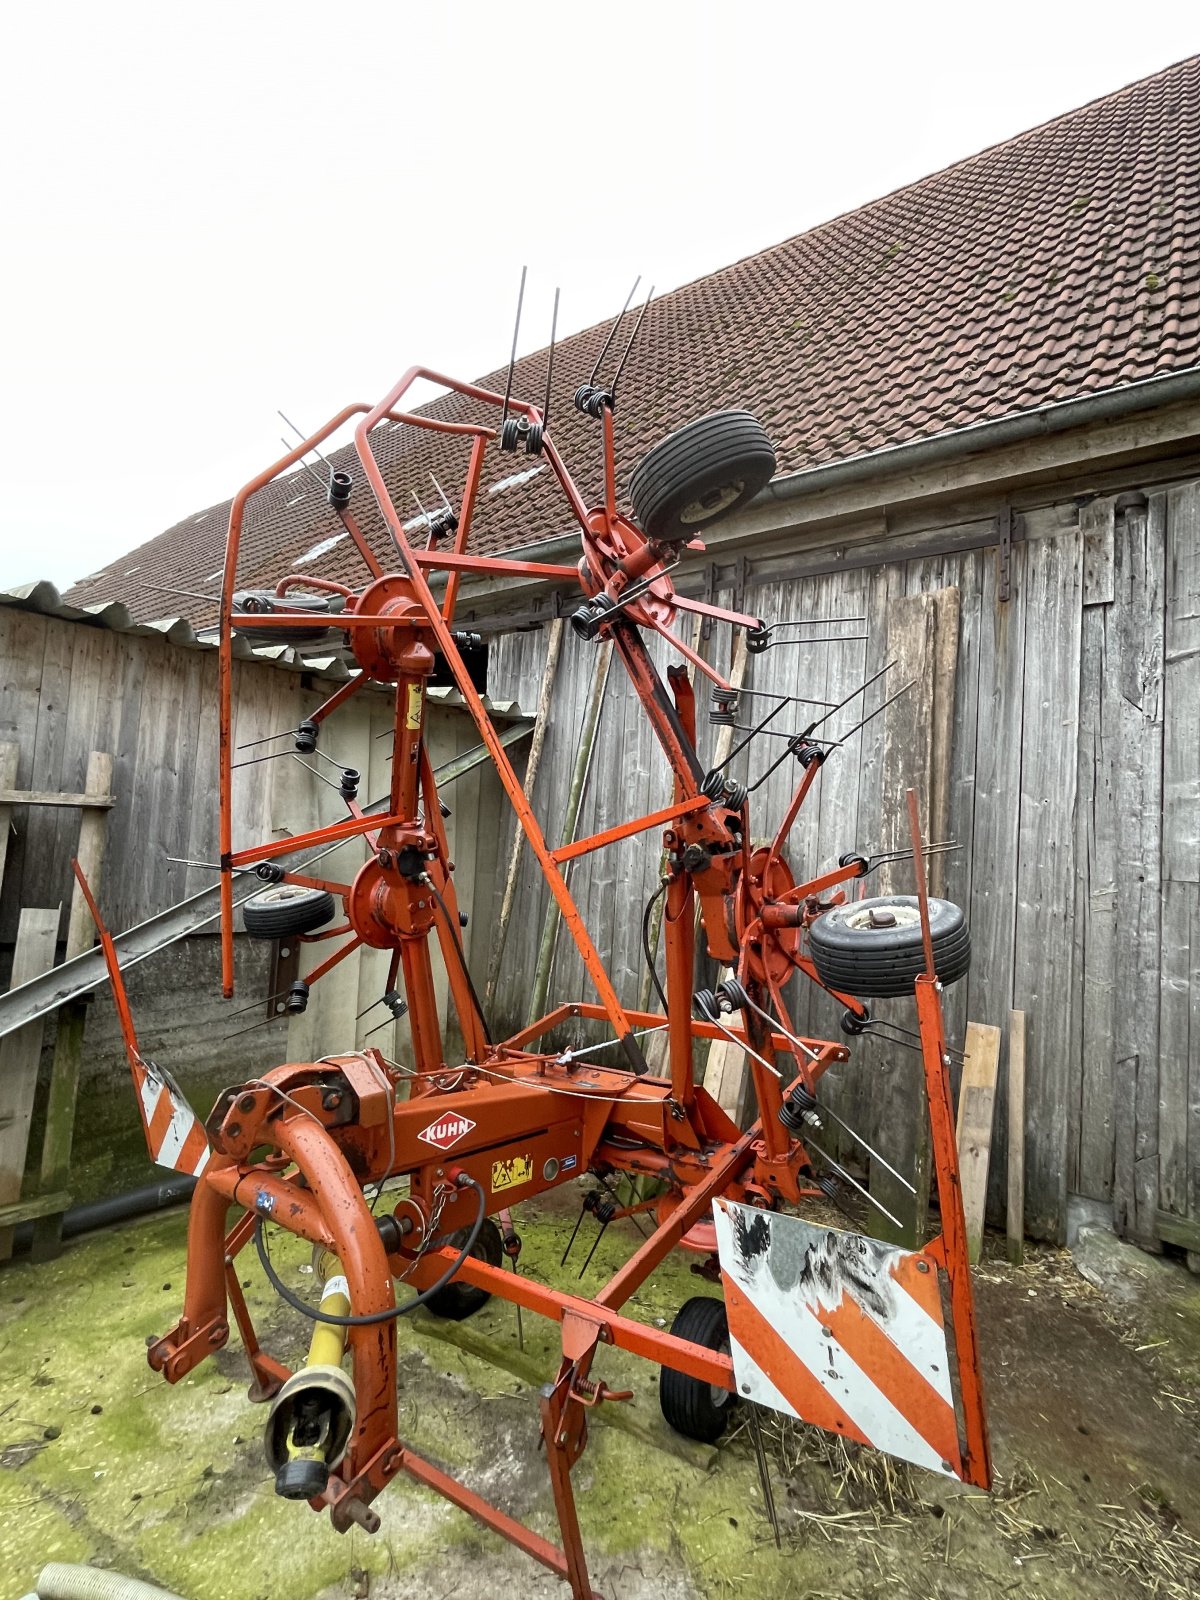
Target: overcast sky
{"x":216,"y":210}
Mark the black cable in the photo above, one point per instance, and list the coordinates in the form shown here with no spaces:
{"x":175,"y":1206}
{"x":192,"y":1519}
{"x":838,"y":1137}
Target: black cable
{"x":370,"y":1318}
{"x":462,"y":962}
{"x":646,"y":951}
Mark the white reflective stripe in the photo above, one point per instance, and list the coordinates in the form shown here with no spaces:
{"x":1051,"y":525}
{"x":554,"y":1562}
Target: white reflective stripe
{"x":202,"y":1162}
{"x":150,"y":1092}
{"x":797,"y":1315}
{"x":751,"y":1377}
{"x":845,"y":1381}
{"x":182,"y":1121}
{"x":920,"y":1340}
{"x":334,"y":1286}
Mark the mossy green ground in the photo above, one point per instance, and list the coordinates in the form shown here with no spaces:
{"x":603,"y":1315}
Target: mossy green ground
{"x":101,"y":1460}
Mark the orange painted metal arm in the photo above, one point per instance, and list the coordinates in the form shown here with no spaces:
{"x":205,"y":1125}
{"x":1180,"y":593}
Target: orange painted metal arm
{"x":625,"y":830}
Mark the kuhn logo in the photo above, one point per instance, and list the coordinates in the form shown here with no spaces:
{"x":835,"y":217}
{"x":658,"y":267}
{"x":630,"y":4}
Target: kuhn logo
{"x":446,"y":1131}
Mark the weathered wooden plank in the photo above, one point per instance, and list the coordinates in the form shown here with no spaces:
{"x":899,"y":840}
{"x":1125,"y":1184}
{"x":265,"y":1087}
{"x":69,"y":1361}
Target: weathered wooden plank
{"x":1096,"y":528}
{"x":22,"y":648}
{"x":1179,"y":1050}
{"x":40,"y":1205}
{"x":1181,"y":756}
{"x":10,"y":755}
{"x":1178,"y":1096}
{"x":1043,"y":942}
{"x":1015,"y":1213}
{"x":45,"y":831}
{"x":55,"y":1168}
{"x":1139,"y":763}
{"x":996,"y":759}
{"x":1117,"y":901}
{"x":20,"y":1051}
{"x":976,"y":1099}
{"x":907,"y":763}
{"x":46,"y":797}
{"x":941,"y":727}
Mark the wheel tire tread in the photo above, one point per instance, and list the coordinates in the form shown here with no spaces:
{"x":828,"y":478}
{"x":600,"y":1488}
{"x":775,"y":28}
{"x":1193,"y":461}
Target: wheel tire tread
{"x":687,"y":1403}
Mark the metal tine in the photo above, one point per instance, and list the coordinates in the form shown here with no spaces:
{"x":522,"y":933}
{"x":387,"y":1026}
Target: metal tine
{"x":308,"y":467}
{"x":774,"y":1023}
{"x":806,"y":733}
{"x":824,"y":1110}
{"x":613,"y":329}
{"x":854,"y":693}
{"x":379,"y":1027}
{"x":575,"y":1233}
{"x":254,"y":761}
{"x":517,"y":1304}
{"x":210,"y":866}
{"x":425,"y":514}
{"x":754,"y":732}
{"x":254,"y":1004}
{"x":595,"y":1245}
{"x":285,"y":733}
{"x":779,"y":733}
{"x":332,"y":760}
{"x":442,"y":492}
{"x":550,"y":361}
{"x":173,"y":588}
{"x":632,"y":340}
{"x":512,"y":360}
{"x":256,"y":1025}
{"x":909,"y":1039}
{"x":636,"y":1220}
{"x":871,"y":715}
{"x":744,"y":1044}
{"x":302,"y":436}
{"x":854,"y":1184}
{"x":813,"y":622}
{"x":791,"y":699}
{"x":942,"y":848}
{"x":314,"y":771}
{"x":764,"y":1476}
{"x":830,"y":638}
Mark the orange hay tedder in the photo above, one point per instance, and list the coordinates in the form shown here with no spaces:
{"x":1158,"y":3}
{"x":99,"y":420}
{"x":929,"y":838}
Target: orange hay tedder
{"x":872,"y":1341}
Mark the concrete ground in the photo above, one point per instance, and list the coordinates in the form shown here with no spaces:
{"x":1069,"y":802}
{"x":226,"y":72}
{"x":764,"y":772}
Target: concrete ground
{"x":1092,"y":1386}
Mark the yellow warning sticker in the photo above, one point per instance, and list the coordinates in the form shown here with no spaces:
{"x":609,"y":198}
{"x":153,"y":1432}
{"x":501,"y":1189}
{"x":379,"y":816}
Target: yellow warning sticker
{"x":511,"y":1174}
{"x":412,"y":719}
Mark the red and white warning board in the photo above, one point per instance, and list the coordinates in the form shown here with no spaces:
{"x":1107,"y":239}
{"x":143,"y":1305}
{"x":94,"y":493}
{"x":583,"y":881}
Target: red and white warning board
{"x":841,"y":1331}
{"x":175,"y":1135}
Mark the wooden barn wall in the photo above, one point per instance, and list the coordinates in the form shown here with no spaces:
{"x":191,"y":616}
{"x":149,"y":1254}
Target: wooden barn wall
{"x":1074,"y":799}
{"x":67,"y":688}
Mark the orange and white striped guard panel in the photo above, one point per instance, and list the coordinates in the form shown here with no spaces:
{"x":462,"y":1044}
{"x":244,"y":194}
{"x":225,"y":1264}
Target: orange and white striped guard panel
{"x":175,"y":1135}
{"x":842,"y":1331}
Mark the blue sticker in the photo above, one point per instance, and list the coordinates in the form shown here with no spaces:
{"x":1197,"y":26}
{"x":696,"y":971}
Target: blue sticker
{"x":265,"y":1202}
{"x":568,"y":1163}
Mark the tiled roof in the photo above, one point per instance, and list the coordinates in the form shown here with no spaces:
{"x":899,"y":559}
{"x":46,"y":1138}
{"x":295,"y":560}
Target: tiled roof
{"x":1059,"y":263}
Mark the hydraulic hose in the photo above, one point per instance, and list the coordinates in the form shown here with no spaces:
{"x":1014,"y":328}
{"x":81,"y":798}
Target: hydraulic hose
{"x":389,"y":1313}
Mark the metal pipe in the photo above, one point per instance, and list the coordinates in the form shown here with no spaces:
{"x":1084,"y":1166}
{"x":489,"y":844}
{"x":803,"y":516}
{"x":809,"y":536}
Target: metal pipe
{"x":116,"y":1208}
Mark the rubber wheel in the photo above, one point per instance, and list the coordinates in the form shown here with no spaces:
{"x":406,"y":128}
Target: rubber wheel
{"x":699,"y":474}
{"x":695,"y":1409}
{"x":248,"y":601}
{"x":286,"y":909}
{"x":874,"y":947}
{"x":459,"y":1300}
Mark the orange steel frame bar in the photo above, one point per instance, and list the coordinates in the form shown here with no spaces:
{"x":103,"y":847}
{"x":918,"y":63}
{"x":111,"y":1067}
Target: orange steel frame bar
{"x":512,"y":1098}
